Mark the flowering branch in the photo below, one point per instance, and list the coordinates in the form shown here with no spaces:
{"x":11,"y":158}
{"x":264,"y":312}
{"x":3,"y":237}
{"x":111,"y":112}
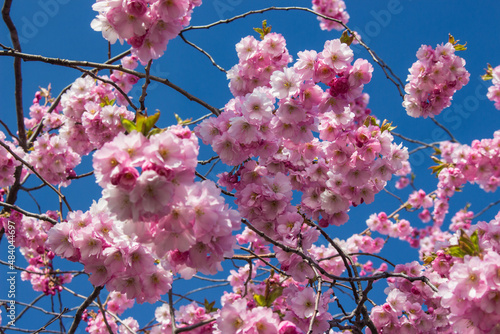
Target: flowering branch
{"x":387,"y":70}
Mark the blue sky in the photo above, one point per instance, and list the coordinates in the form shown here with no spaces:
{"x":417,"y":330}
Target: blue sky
{"x":394,"y":29}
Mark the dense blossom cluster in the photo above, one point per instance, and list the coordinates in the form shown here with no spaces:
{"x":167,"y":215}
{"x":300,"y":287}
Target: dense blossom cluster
{"x":433,"y":79}
{"x":494,"y":90}
{"x":147,"y":25}
{"x":152,"y":210}
{"x":331,"y":8}
{"x":91,"y":116}
{"x":348,"y":167}
{"x":257,"y":61}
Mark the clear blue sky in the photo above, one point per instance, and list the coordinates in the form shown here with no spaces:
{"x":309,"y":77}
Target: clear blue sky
{"x":394,"y":29}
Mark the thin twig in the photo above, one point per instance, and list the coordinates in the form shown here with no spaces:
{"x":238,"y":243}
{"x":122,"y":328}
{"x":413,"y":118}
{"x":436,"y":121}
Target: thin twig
{"x":65,"y":310}
{"x":453,"y":140}
{"x":485,"y":209}
{"x":8,"y":131}
{"x":202,"y":51}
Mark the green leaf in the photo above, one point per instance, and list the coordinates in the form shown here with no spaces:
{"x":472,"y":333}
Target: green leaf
{"x":209,"y":307}
{"x":386,"y":126}
{"x":489,"y":73}
{"x":346,"y":39}
{"x":150,"y":122}
{"x":458,"y":47}
{"x":475,"y":241}
{"x":456,"y":251}
{"x":260,"y":299}
{"x":128,"y":124}
{"x":139,"y":122}
{"x":264,"y":30}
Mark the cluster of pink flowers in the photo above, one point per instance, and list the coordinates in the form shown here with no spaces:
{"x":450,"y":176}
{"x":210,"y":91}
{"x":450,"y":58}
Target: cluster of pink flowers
{"x":186,"y":315}
{"x":331,"y":8}
{"x":494,"y":90}
{"x":151,"y":210}
{"x":39,"y":112}
{"x":382,"y":224}
{"x":350,"y":165}
{"x":8,"y":163}
{"x":477,"y":163}
{"x":31,"y":237}
{"x":257,"y":61}
{"x":100,"y":242}
{"x":433,"y":79}
{"x":91,"y":116}
{"x":124,"y":80}
{"x":53,"y":159}
{"x":147,"y":25}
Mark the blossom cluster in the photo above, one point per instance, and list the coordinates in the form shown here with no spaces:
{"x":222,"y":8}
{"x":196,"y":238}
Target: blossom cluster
{"x":494,"y":90}
{"x":151,"y":211}
{"x":97,"y":240}
{"x":91,"y":116}
{"x":53,"y":159}
{"x":86,"y":118}
{"x":147,"y":25}
{"x":31,"y":237}
{"x":433,"y":79}
{"x":348,"y":167}
{"x":331,"y":8}
{"x":115,"y":304}
{"x":257,"y":61}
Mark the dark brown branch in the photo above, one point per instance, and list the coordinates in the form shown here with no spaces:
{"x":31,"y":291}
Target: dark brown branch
{"x":453,"y":140}
{"x":83,"y":306}
{"x":17,"y":74}
{"x":145,"y":86}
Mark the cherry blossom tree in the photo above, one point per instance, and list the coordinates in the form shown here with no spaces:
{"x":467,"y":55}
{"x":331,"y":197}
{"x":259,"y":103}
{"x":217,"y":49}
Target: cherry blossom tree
{"x":302,"y":149}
